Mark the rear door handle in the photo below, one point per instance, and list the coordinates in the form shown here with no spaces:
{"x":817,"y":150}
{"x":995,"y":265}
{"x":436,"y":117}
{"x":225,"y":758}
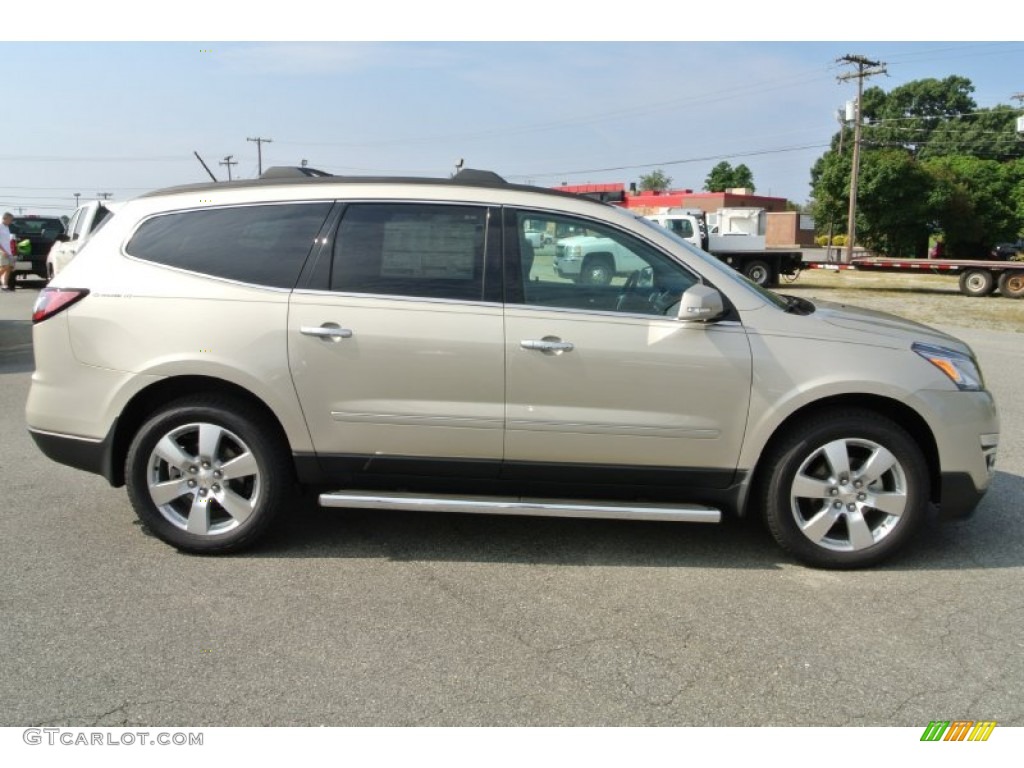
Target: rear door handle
{"x":549,"y":345}
{"x":327,"y":331}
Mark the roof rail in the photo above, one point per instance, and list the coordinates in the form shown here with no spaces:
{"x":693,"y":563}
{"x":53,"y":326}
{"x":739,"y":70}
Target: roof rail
{"x":292,"y":172}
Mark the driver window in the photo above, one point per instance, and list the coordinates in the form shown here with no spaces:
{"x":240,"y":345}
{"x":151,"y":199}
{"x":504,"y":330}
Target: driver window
{"x":579,"y":264}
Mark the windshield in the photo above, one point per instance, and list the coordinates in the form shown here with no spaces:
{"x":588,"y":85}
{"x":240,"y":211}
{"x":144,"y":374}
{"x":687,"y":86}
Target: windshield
{"x":717,"y":265}
{"x":25,"y":227}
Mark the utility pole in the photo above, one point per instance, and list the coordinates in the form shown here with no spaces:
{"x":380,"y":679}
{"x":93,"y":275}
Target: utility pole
{"x":205,"y":166}
{"x":865,"y":68}
{"x":841,"y":117}
{"x":77,"y":195}
{"x":229,"y":162}
{"x":259,"y":151}
{"x":104,"y":195}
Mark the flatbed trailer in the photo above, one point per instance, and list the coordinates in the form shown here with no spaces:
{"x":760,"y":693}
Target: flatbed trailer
{"x":977,"y":278}
{"x":763,"y":267}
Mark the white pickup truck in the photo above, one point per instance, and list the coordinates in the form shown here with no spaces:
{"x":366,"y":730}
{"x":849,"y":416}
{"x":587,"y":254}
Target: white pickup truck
{"x":85,"y":221}
{"x":594,"y":260}
{"x":744,"y":251}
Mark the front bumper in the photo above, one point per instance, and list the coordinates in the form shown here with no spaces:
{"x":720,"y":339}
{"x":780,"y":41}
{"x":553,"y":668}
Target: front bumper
{"x":966,"y":430}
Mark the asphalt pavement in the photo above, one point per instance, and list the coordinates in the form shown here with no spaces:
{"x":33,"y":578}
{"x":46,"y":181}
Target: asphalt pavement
{"x":353,"y":618}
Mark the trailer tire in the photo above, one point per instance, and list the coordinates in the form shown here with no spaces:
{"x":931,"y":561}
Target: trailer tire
{"x":759,"y":272}
{"x":977,"y":282}
{"x":1011,"y":284}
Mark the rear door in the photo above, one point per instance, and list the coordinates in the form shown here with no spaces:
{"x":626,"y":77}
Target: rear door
{"x":396,"y":341}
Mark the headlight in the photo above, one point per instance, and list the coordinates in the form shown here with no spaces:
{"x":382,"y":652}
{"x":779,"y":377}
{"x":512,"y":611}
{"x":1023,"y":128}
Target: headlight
{"x":960,"y":368}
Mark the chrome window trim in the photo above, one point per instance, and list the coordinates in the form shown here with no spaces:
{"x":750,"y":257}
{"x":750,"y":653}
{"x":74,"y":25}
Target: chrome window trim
{"x":392,"y":297}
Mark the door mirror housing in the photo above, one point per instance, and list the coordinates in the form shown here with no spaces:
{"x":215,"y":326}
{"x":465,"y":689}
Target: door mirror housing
{"x":700,"y":303}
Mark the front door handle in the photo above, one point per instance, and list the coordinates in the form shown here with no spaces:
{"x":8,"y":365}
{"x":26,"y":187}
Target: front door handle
{"x":549,"y":345}
{"x":327,"y":331}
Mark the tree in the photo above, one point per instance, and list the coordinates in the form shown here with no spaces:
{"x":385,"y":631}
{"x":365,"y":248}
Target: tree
{"x":976,"y":201}
{"x":723,"y":176}
{"x":743,"y":178}
{"x":893,"y":214}
{"x":655,"y":181}
{"x":931,"y":161}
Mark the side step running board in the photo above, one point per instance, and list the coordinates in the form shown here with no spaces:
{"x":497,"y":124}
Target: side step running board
{"x":493,"y":505}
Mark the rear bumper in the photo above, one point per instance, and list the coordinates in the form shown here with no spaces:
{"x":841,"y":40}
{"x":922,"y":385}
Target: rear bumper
{"x":88,"y":454}
{"x":35,"y":265}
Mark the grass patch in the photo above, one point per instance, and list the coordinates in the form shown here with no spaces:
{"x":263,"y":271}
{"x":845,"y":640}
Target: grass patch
{"x":929,"y":299}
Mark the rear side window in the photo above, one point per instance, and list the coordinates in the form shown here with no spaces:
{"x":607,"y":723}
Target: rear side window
{"x":261,"y":244}
{"x":417,"y":250}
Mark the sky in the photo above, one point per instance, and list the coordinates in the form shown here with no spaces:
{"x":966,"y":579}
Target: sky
{"x":98,"y":109}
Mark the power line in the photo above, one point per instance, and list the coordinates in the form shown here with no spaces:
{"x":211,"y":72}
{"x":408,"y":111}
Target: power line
{"x":663,"y":163}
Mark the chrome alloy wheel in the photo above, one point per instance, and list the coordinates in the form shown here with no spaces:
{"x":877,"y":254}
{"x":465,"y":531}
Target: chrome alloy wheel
{"x":849,"y":495}
{"x":203,"y":479}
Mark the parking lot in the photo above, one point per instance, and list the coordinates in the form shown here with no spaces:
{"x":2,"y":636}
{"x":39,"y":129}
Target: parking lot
{"x":370,"y":618}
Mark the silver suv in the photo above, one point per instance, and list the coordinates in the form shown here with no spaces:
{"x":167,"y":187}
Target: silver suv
{"x":402,"y":344}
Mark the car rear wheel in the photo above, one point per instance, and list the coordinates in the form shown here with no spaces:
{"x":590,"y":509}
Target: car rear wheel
{"x":207,"y":474}
{"x":847,"y":489}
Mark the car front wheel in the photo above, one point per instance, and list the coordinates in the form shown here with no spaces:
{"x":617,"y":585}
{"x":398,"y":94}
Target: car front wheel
{"x":207,"y":474}
{"x":847,"y":489}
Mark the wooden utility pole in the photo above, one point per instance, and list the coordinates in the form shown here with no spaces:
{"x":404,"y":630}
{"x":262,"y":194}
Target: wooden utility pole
{"x":229,"y":162}
{"x":841,"y":117}
{"x":865,"y":68}
{"x":259,"y":151}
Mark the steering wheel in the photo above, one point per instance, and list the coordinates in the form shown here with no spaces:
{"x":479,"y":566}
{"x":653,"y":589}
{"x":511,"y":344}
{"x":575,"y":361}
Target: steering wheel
{"x":628,"y":288}
{"x":659,"y":300}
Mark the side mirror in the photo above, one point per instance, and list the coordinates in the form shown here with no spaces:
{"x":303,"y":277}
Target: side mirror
{"x":700,"y":303}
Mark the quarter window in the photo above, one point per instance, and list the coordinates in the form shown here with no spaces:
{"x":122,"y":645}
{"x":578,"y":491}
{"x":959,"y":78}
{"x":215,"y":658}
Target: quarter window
{"x":428,"y":251}
{"x":261,"y":244}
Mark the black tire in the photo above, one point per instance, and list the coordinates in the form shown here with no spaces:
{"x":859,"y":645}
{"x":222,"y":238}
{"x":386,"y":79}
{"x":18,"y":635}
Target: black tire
{"x":236,"y":510}
{"x":759,"y":272}
{"x":977,"y":282}
{"x":827,"y":517}
{"x":1011,"y":284}
{"x":598,"y":269}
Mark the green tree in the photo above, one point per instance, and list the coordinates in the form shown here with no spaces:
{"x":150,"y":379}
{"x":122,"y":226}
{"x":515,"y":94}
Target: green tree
{"x":977,"y":202}
{"x":893,"y":212}
{"x":743,"y":177}
{"x":723,"y":176}
{"x":655,"y":181}
{"x":931,"y":161}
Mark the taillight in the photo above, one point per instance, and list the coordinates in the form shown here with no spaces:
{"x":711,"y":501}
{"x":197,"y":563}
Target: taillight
{"x":54,"y":300}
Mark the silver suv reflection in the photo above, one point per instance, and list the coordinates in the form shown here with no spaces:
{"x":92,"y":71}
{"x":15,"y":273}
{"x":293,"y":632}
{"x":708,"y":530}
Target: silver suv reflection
{"x":416,"y":344}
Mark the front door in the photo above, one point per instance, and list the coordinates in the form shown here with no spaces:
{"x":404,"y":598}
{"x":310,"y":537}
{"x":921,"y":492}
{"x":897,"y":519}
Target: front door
{"x":603,"y":375}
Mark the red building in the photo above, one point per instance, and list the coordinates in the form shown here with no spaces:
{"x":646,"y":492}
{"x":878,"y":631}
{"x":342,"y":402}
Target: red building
{"x":783,"y":228}
{"x":658,"y":202}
